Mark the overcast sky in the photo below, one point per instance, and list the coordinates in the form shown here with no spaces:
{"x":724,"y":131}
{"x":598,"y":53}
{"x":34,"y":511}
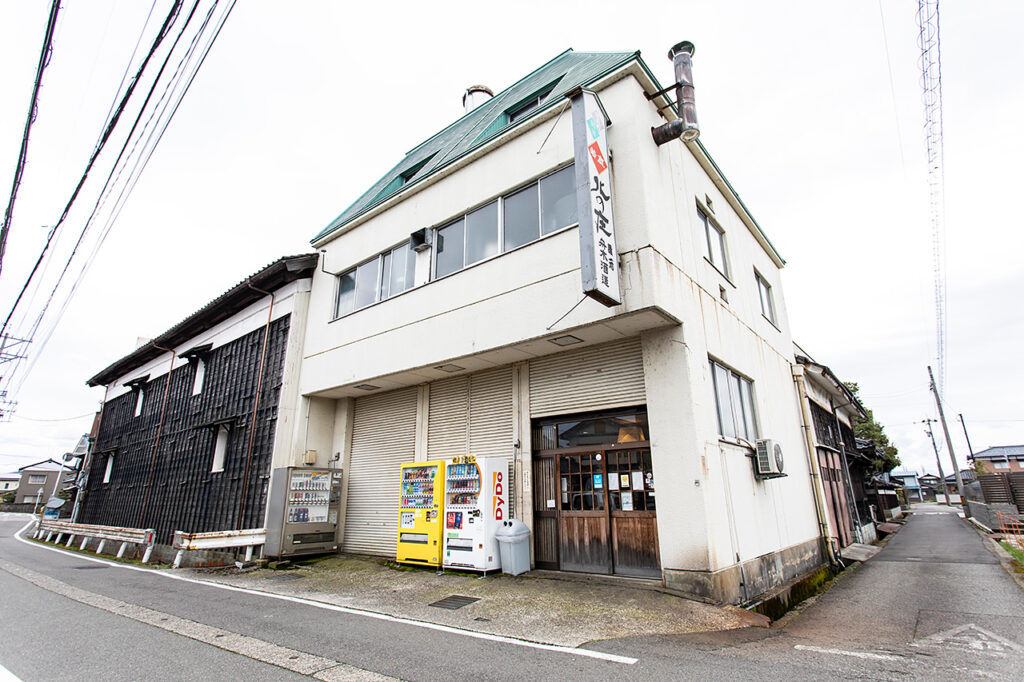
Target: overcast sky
{"x":300,"y":107}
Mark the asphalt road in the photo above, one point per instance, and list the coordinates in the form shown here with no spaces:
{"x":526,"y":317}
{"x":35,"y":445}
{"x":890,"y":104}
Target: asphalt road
{"x":934,"y":603}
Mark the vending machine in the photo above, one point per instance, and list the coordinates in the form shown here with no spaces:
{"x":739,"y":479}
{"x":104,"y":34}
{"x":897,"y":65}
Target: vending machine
{"x":421,"y":504}
{"x":302,"y":512}
{"x":475,"y":504}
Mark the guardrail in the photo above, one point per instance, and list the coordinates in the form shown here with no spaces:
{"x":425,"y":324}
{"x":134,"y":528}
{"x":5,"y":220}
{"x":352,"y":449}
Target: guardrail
{"x":126,"y":536}
{"x":1012,"y":528}
{"x":224,"y":539}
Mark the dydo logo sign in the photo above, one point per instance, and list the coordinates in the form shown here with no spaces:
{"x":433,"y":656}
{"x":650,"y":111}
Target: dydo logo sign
{"x":498,"y":495}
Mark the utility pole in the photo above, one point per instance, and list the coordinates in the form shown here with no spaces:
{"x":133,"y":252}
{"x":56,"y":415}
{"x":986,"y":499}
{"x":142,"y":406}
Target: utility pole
{"x":942,"y":476}
{"x":949,"y":443}
{"x":969,"y":448}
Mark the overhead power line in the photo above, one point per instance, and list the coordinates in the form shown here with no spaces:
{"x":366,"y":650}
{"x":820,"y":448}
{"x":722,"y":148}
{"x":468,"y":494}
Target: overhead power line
{"x":19,"y":169}
{"x":136,"y":151}
{"x":108,"y":131}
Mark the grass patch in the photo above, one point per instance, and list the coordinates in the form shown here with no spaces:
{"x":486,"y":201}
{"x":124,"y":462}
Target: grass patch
{"x":1014,"y":552}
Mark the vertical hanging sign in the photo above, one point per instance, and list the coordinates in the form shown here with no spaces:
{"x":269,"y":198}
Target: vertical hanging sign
{"x":599,"y":259}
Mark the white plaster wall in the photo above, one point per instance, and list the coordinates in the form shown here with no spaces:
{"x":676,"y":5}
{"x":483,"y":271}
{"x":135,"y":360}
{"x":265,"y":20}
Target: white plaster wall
{"x":250,"y":319}
{"x":711,"y":508}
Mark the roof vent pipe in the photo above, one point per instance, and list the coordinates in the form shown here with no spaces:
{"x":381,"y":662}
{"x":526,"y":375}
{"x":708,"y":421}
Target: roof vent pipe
{"x":475,"y":95}
{"x":686,"y":125}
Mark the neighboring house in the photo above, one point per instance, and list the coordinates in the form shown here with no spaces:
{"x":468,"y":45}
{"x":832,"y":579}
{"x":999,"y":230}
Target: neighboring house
{"x":191,"y":420}
{"x":929,"y":485}
{"x":1002,"y":459}
{"x":38,"y":481}
{"x":449,"y":318}
{"x":966,"y":475}
{"x":908,"y":481}
{"x":833,"y":410}
{"x":9,"y":482}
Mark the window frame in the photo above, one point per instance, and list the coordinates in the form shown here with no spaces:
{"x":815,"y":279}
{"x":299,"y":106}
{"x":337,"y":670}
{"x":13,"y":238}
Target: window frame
{"x":764,"y":294}
{"x":32,"y":481}
{"x":379,"y":278}
{"x":500,"y":201}
{"x":108,"y":467}
{"x":710,"y":225}
{"x":220,"y":448}
{"x":742,"y":406}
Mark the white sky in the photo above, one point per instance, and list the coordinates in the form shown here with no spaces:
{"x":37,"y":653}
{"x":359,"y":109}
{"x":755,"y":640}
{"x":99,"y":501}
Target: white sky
{"x":302,"y":106}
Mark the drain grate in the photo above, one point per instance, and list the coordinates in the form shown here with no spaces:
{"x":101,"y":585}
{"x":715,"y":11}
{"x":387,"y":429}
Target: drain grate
{"x":453,"y":602}
{"x":285,"y":576}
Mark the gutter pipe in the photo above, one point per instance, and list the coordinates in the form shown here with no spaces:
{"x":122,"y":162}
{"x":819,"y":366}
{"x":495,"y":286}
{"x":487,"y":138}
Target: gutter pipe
{"x":819,"y":496}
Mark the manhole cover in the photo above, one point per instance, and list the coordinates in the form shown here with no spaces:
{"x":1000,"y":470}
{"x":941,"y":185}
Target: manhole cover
{"x":286,"y":576}
{"x":86,"y":568}
{"x":454,"y":602}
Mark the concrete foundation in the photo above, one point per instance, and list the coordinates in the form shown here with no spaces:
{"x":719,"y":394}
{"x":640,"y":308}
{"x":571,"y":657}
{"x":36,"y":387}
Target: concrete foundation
{"x":750,"y":579}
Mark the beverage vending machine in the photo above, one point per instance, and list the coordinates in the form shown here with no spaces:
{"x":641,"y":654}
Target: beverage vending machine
{"x":475,"y":504}
{"x":419,"y":513}
{"x":302,"y":512}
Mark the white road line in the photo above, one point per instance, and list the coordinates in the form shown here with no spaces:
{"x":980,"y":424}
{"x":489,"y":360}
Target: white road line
{"x":843,"y":652}
{"x":250,"y":647}
{"x":7,"y":676}
{"x":600,"y":655}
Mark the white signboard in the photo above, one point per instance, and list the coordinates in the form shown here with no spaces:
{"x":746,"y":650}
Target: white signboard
{"x":599,"y":258}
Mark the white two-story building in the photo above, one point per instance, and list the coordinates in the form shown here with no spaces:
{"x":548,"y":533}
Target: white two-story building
{"x":448,"y":317}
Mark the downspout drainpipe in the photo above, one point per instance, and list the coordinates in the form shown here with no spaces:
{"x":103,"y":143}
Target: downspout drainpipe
{"x":87,"y":463}
{"x":819,"y":495}
{"x":855,"y":513}
{"x":256,"y":401}
{"x":156,"y":445}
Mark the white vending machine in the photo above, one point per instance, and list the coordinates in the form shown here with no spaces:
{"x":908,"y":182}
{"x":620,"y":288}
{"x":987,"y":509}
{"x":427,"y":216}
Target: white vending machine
{"x":476,"y":501}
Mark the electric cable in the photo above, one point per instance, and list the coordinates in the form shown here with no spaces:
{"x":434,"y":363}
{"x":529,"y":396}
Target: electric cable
{"x":148,"y":147}
{"x":164,"y":30}
{"x":19,"y":169}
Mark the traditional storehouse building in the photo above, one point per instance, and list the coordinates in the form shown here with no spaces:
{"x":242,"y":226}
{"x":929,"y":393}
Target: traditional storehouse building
{"x":547,"y":283}
{"x":192,"y":420}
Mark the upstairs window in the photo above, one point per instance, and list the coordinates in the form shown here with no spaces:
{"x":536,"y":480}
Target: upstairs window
{"x":200,"y":376}
{"x":511,"y":221}
{"x":734,"y":400}
{"x":764,"y":291}
{"x":220,"y":449}
{"x":36,"y":479}
{"x":714,"y":244}
{"x":379,"y":278}
{"x":109,"y":469}
{"x":140,"y":396}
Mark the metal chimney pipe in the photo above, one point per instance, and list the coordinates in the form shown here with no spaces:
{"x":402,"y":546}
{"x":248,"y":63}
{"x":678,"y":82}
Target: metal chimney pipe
{"x":686,"y":125}
{"x":474,"y":96}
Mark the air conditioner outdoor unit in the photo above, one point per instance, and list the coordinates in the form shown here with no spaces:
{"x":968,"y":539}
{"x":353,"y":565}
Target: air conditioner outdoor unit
{"x":769,"y":460}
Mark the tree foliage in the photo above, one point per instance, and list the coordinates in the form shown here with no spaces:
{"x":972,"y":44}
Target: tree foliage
{"x":871,"y":430}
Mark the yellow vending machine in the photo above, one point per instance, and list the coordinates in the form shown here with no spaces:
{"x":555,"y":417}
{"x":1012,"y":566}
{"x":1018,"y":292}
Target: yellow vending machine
{"x":421,"y":508}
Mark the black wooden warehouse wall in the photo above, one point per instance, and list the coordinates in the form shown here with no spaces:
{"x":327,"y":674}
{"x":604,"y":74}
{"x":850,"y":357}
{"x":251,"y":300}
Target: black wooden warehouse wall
{"x":183,"y":493}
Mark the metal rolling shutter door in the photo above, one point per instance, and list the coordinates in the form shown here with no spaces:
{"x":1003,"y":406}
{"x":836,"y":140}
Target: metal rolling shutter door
{"x":383,"y":437}
{"x":594,"y":378}
{"x":448,"y":418}
{"x":471,"y":415}
{"x":490,"y":413}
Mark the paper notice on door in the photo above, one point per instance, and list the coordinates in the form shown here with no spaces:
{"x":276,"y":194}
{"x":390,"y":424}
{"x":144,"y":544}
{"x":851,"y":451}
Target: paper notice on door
{"x":638,"y":480}
{"x":551,"y":504}
{"x":598,"y":481}
{"x":627,"y":501}
{"x":613,"y":482}
{"x":624,"y":480}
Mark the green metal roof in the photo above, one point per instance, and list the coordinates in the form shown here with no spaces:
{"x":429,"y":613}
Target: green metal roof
{"x":563,"y":73}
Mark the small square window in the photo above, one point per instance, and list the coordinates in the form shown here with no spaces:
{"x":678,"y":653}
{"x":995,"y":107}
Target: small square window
{"x":764,"y":292}
{"x":734,"y":402}
{"x":714,"y":243}
{"x":220,"y":449}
